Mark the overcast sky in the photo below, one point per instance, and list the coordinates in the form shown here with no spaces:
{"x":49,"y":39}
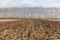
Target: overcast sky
{"x":29,"y":3}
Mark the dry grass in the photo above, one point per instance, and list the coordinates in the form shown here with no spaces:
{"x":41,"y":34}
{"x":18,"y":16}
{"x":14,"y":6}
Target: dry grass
{"x":30,"y":29}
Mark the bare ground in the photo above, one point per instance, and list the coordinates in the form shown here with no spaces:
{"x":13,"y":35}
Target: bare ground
{"x":29,"y":29}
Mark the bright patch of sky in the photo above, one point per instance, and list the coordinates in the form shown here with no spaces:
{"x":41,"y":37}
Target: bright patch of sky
{"x":29,"y":3}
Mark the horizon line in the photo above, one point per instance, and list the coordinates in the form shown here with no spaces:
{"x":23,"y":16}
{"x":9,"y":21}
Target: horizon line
{"x":29,"y":7}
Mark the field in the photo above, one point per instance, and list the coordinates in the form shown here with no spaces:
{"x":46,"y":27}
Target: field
{"x":29,"y":29}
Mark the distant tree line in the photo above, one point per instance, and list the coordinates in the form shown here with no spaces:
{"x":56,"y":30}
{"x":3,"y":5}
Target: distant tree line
{"x":30,"y":12}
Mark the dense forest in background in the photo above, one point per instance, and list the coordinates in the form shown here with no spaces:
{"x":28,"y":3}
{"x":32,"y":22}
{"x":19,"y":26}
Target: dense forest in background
{"x":29,"y":12}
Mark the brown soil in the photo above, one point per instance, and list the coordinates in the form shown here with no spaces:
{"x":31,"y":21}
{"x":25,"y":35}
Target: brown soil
{"x":30,"y":29}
